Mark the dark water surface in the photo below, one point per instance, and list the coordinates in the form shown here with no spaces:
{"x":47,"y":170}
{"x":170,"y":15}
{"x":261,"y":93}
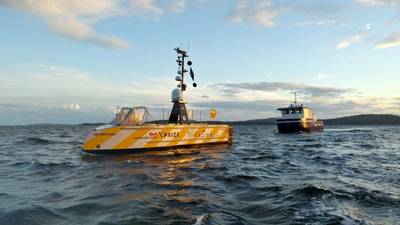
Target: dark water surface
{"x":345,"y":175}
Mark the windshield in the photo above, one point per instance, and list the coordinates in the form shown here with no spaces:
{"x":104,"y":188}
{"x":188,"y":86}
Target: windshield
{"x":131,"y":116}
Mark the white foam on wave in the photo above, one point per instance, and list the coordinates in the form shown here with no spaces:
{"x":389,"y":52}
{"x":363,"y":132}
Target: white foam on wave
{"x":348,"y":129}
{"x":200,"y":219}
{"x":331,"y":206}
{"x":352,"y":216}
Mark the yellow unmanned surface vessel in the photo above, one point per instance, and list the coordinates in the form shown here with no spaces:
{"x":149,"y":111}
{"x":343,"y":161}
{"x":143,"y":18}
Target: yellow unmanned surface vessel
{"x":129,"y":132}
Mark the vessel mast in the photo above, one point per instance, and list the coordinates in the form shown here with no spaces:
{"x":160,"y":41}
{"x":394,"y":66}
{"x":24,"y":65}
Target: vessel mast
{"x":181,"y":62}
{"x":178,"y":112}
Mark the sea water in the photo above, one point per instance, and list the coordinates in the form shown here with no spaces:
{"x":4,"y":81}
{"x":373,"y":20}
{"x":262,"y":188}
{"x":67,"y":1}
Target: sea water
{"x":344,"y":175}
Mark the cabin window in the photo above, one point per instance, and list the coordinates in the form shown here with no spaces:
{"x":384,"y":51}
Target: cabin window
{"x":131,"y":116}
{"x":122,"y":115}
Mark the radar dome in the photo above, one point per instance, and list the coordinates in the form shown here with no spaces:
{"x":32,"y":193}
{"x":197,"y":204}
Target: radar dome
{"x":176,"y":95}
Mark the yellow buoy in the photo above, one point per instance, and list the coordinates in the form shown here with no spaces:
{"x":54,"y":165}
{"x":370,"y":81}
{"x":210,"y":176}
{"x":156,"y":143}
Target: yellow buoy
{"x":213,"y":113}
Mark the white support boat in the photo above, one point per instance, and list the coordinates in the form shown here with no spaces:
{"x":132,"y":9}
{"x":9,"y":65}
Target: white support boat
{"x":298,"y":118}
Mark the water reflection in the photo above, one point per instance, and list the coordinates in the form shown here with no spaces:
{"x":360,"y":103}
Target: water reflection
{"x":169,"y":179}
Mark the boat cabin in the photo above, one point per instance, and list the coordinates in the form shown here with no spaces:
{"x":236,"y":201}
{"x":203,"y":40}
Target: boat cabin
{"x":297,"y":112}
{"x":297,"y":118}
{"x":131,"y":116}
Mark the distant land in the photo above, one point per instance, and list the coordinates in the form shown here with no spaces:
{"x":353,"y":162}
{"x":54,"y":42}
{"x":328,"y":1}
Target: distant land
{"x":365,"y":119}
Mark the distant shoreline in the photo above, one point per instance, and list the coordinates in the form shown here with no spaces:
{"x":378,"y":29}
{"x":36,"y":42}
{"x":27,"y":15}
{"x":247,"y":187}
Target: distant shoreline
{"x":362,"y":119}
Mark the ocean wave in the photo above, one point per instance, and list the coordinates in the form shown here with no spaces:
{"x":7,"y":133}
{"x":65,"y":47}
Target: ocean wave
{"x":260,"y":157}
{"x":352,"y":130}
{"x":375,"y":197}
{"x":222,"y":217}
{"x":351,"y":216}
{"x":52,"y":197}
{"x":201,"y":220}
{"x":236,"y":178}
{"x":33,"y":216}
{"x":64,"y":136}
{"x":44,"y":141}
{"x":369,"y":146}
{"x":19,"y":164}
{"x":86,"y":208}
{"x":4,"y":197}
{"x":35,"y":141}
{"x":270,"y":189}
{"x":306,"y":140}
{"x":326,"y":211}
{"x":312,"y":191}
{"x":316,"y":145}
{"x":53,"y":166}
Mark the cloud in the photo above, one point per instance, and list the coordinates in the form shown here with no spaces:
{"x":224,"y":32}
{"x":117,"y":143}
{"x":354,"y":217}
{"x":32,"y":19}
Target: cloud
{"x":266,"y":12}
{"x":60,"y":87}
{"x":396,"y":102}
{"x":239,"y":109}
{"x":313,"y":91}
{"x":232,"y":105}
{"x":259,"y":12}
{"x":178,"y":6}
{"x":18,"y":114}
{"x":72,"y":106}
{"x":393,"y":40}
{"x":379,"y":2}
{"x":354,"y":39}
{"x":81,"y":31}
{"x":258,"y":109}
{"x":343,"y":108}
{"x":75,"y":19}
{"x":146,"y":7}
{"x":316,"y":23}
{"x":58,"y":93}
{"x":322,"y":76}
{"x":69,"y":95}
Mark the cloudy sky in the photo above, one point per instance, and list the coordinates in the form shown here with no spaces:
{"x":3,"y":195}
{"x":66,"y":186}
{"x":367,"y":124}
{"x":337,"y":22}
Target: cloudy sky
{"x":73,"y":61}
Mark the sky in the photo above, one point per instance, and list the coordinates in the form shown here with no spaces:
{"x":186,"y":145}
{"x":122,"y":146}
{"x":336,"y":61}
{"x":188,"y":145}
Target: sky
{"x":75,"y":61}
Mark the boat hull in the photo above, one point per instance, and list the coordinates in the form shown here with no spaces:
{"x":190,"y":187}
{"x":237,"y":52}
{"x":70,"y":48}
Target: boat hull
{"x":119,"y":139}
{"x":296,"y":126}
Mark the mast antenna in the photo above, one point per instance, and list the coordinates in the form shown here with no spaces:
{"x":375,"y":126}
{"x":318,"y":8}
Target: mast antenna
{"x":182,"y":55}
{"x":295,"y":97}
{"x":188,"y":46}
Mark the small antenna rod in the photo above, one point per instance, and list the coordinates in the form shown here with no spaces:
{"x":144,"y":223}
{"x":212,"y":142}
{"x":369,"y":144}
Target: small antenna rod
{"x":181,"y":63}
{"x":295,"y":97}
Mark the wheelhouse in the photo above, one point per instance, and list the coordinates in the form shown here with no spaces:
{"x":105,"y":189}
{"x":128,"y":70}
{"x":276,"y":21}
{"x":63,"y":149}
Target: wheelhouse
{"x":131,"y":116}
{"x":297,"y":112}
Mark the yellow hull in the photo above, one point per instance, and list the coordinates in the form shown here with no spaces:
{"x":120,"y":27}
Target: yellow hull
{"x":146,"y":137}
